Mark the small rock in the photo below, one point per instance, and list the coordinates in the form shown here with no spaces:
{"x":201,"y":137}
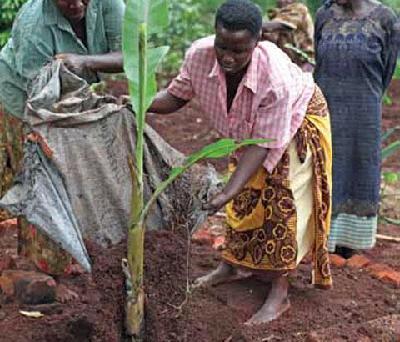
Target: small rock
{"x":337,"y":261}
{"x":2,"y":315}
{"x":28,"y":287}
{"x":379,"y":271}
{"x":392,"y":277}
{"x":358,"y":261}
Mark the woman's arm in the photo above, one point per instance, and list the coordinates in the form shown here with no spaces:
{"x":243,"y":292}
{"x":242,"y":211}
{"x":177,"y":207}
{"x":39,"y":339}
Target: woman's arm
{"x":108,"y":62}
{"x":251,"y":160}
{"x":165,"y":103}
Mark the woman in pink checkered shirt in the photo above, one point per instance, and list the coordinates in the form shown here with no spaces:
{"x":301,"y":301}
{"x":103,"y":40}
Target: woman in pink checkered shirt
{"x":278,"y":197}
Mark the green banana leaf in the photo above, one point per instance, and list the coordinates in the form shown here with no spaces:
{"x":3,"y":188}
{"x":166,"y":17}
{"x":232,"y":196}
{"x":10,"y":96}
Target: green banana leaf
{"x":390,"y":149}
{"x":389,"y":132}
{"x":219,"y":149}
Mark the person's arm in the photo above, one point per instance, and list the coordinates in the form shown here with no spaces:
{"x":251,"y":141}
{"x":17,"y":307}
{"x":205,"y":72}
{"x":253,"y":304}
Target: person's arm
{"x":272,"y":26}
{"x":390,"y":48}
{"x":251,"y":160}
{"x":320,"y":18}
{"x":179,"y":92}
{"x":110,"y":62}
{"x":166,"y":103}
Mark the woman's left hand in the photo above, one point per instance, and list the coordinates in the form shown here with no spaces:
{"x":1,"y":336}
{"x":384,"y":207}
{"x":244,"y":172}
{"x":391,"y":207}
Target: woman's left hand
{"x":216,"y":203}
{"x":74,"y":62}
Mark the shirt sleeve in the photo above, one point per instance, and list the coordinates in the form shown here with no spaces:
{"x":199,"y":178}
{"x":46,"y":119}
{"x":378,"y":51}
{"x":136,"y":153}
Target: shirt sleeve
{"x":181,"y":86}
{"x":113,"y":12}
{"x":273,"y":119}
{"x":31,"y":51}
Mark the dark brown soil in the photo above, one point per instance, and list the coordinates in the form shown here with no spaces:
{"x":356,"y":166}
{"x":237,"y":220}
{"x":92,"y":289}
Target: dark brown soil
{"x":96,"y":316}
{"x":215,"y":314}
{"x":218,"y":314}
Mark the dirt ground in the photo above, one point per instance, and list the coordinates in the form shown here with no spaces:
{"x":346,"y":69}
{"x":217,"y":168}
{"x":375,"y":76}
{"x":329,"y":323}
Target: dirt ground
{"x":358,"y":308}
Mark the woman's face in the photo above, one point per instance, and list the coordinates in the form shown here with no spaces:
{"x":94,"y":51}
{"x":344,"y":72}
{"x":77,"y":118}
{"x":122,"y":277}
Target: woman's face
{"x":233,"y":49}
{"x":73,"y":10}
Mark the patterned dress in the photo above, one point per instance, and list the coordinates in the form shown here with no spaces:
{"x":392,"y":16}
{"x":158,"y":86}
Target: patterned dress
{"x":355,"y":63}
{"x":281,"y":216}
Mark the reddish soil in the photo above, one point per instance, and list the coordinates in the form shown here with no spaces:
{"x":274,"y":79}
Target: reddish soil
{"x":347,"y":312}
{"x":96,"y":316}
{"x":358,"y":308}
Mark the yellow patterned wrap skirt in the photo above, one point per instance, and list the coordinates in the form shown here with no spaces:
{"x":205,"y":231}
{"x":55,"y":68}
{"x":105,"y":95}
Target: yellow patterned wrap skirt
{"x":280,"y":217}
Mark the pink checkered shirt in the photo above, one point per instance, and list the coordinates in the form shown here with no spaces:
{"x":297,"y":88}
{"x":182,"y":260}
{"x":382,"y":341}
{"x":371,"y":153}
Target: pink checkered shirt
{"x":271,"y":100}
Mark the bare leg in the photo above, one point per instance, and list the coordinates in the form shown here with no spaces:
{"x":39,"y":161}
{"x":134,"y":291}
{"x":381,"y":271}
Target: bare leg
{"x":277,"y":302}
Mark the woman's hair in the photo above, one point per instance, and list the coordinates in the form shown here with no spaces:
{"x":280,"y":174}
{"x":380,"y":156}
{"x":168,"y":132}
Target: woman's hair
{"x":238,"y":15}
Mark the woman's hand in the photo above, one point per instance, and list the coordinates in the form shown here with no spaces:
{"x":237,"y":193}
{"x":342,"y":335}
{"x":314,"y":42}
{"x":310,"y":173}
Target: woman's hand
{"x":74,"y":62}
{"x":252,"y":158}
{"x":216,"y":203}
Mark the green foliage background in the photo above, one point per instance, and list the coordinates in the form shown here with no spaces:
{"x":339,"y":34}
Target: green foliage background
{"x":189,"y":20}
{"x":8,"y":12}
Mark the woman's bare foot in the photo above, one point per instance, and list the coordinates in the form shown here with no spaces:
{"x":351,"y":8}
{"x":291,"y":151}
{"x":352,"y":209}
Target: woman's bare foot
{"x":275,"y":305}
{"x":223,"y":273}
{"x":64,"y":294}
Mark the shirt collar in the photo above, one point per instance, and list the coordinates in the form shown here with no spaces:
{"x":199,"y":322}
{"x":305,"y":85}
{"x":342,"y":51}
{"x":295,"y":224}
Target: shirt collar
{"x":53,"y":16}
{"x":251,"y":80}
{"x":215,"y":70}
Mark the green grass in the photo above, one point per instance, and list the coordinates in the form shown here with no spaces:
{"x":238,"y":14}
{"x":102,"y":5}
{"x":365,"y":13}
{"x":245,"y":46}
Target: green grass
{"x":396,"y":75}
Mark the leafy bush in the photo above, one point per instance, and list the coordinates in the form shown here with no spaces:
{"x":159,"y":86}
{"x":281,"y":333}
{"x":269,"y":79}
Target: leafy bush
{"x":395,"y":4}
{"x":397,"y":71}
{"x":186,"y":24}
{"x":8,"y":12}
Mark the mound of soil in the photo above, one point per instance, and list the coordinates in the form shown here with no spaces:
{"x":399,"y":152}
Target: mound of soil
{"x":358,"y":307}
{"x":219,"y":313}
{"x":96,"y":316}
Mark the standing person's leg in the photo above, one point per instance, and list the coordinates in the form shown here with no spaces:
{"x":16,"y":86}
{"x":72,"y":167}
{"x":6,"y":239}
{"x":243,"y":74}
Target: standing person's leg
{"x":300,"y":177}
